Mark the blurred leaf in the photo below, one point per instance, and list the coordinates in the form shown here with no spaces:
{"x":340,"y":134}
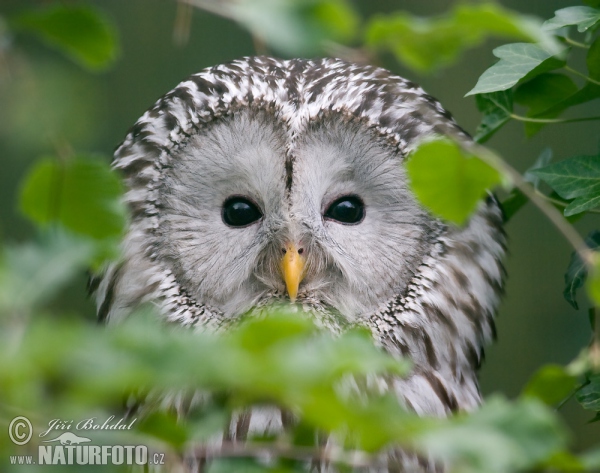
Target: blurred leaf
{"x":589,"y":395}
{"x":426,"y":44}
{"x":542,"y":160}
{"x":593,"y":285}
{"x":518,"y":62}
{"x":207,"y":422}
{"x":574,"y":178}
{"x":81,"y":32}
{"x":542,"y":93}
{"x":563,"y":461}
{"x":243,"y":465}
{"x":447,"y":181}
{"x":582,"y":17}
{"x":297,"y":27}
{"x":165,"y":427}
{"x":591,"y":459}
{"x":82,"y":194}
{"x":30,"y":274}
{"x":499,"y":437}
{"x":496,"y":108}
{"x":551,"y":384}
{"x":66,"y":364}
{"x":577,"y":272}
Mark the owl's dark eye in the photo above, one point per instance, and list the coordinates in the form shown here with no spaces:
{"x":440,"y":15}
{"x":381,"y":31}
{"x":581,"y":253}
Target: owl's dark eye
{"x":240,"y":212}
{"x":348,"y":209}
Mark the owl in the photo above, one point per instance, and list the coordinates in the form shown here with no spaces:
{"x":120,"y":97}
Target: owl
{"x":266,"y":180}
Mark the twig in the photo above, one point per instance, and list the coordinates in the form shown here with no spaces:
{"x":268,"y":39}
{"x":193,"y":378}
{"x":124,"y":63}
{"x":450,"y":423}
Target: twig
{"x":580,"y":74}
{"x":568,"y":398}
{"x":183,"y":23}
{"x":260,"y":46}
{"x":545,"y":207}
{"x":561,"y":203}
{"x":577,"y":44}
{"x":552,"y":120}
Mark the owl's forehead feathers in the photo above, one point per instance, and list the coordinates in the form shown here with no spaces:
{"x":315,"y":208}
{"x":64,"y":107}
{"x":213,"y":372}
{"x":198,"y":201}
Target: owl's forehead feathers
{"x":297,"y":91}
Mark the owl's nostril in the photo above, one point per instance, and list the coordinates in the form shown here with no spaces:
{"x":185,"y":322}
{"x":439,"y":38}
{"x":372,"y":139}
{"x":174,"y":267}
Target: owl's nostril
{"x":283,"y":250}
{"x":300,"y":251}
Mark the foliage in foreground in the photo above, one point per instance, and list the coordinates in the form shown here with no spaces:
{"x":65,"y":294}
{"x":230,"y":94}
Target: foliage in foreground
{"x":54,"y":366}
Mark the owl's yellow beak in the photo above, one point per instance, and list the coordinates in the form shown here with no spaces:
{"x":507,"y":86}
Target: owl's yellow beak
{"x":292,"y":266}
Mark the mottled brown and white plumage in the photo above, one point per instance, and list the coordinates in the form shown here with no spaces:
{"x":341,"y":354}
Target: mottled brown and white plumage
{"x":292,"y":137}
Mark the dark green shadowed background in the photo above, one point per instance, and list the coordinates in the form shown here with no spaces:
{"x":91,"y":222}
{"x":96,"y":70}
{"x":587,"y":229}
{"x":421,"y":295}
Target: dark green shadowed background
{"x":47,"y":101}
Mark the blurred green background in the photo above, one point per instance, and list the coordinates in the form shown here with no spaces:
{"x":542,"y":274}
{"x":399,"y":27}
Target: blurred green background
{"x":46,"y":102}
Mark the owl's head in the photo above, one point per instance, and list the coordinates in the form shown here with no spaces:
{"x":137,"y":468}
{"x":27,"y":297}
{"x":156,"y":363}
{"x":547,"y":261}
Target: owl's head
{"x":266,"y":180}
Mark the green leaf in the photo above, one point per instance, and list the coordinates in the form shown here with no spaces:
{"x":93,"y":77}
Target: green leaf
{"x":577,"y":272}
{"x":164,"y":426}
{"x":582,"y":204}
{"x":541,"y":94}
{"x":582,"y":17}
{"x":589,"y":395}
{"x":591,"y":459}
{"x":563,"y":461}
{"x":420,"y":43}
{"x":82,"y":194}
{"x":447,"y":181}
{"x":426,"y":44}
{"x":551,"y":384}
{"x":574,"y":178}
{"x":587,"y":93}
{"x":31,"y":274}
{"x":593,"y":60}
{"x":496,"y":108}
{"x":499,"y":437}
{"x":518,"y":62}
{"x":297,"y":27}
{"x":81,"y":32}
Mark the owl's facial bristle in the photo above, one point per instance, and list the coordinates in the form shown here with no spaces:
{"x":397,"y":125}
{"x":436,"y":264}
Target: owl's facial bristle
{"x":292,"y":266}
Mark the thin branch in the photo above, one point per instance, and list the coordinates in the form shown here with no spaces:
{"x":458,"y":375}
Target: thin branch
{"x":260,"y":46}
{"x":561,"y":203}
{"x":552,"y":120}
{"x":561,"y":224}
{"x":183,"y":23}
{"x":577,"y":44}
{"x":568,"y":398}
{"x":580,"y":74}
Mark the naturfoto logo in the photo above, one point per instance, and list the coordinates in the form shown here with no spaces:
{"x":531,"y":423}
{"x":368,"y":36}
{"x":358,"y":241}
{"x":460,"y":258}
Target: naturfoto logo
{"x":68,"y":448}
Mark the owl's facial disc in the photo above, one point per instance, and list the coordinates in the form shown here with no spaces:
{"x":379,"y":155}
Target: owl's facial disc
{"x":334,"y":197}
